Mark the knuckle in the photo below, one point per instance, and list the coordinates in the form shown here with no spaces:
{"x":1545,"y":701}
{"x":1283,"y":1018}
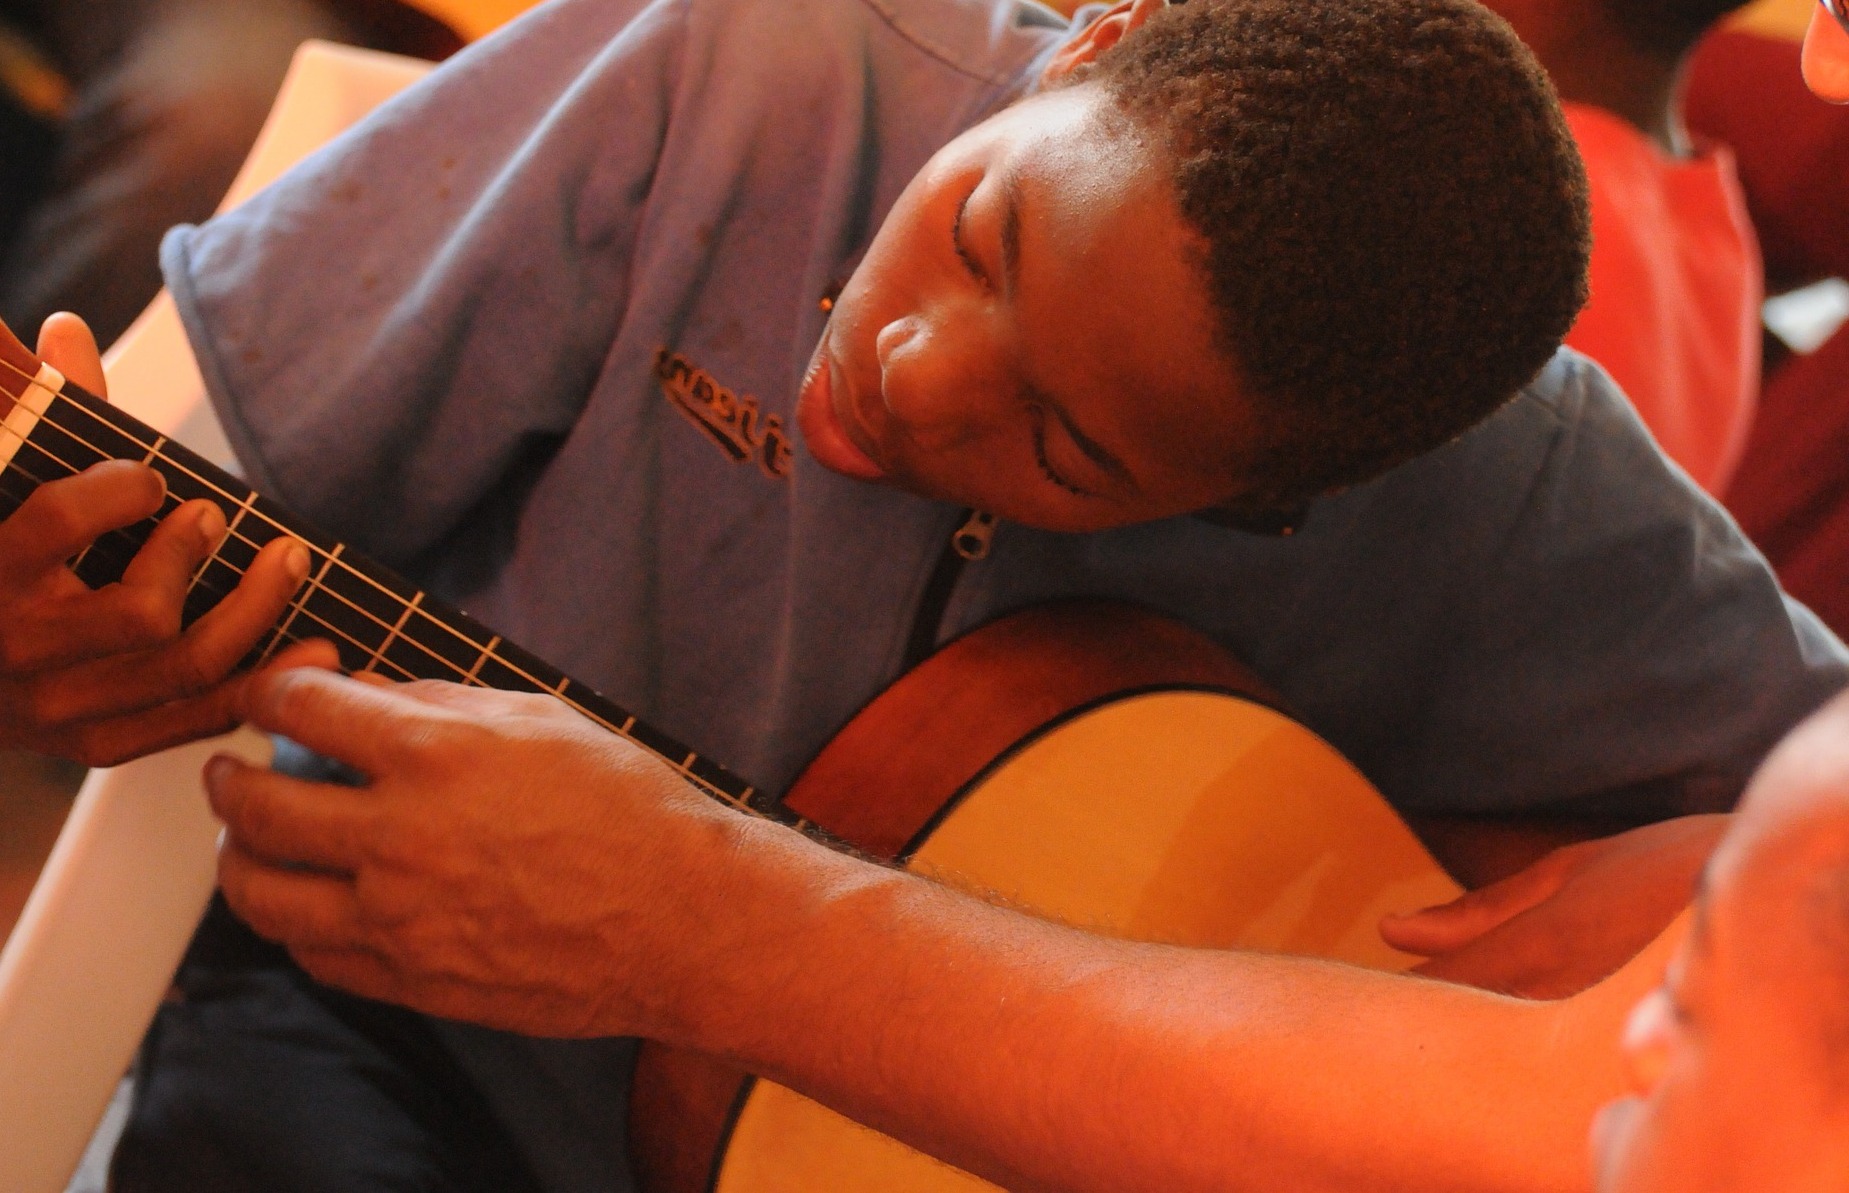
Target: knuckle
{"x":424,"y":948}
{"x":52,"y":513}
{"x":284,"y":695}
{"x":18,"y":651}
{"x":1570,"y":857}
{"x":424,"y":746}
{"x":147,"y":616}
{"x":249,"y":817}
{"x":390,"y":849}
{"x":189,"y":671}
{"x":42,"y":705}
{"x":91,"y":747}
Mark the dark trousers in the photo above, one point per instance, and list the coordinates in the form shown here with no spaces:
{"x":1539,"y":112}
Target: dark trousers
{"x":168,"y":96}
{"x":256,"y":1079}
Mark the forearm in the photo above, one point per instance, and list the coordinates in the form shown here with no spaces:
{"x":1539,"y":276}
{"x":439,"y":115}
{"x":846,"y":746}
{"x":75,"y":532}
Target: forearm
{"x":1044,"y":1057}
{"x":513,"y":866}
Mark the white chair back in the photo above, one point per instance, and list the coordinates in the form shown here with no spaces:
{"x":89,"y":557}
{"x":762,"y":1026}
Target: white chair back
{"x":97,"y":945}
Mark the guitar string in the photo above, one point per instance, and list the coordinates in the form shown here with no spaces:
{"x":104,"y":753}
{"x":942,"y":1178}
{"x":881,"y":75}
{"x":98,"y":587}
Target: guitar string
{"x":19,"y":469}
{"x":254,"y":512}
{"x":15,"y":466}
{"x":682,"y":765}
{"x":325,"y":556}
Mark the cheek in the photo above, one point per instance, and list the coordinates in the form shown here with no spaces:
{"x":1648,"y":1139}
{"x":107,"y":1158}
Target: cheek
{"x":1615,"y":1146}
{"x":1675,"y":1141}
{"x":1639,"y":1146}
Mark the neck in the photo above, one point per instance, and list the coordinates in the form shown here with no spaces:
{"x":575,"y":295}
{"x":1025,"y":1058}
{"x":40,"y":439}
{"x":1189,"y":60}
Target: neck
{"x":1592,"y":61}
{"x":1642,"y":90}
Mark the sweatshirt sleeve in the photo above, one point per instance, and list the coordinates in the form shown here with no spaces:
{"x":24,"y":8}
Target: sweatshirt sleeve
{"x":426,"y":302}
{"x":1625,"y":651}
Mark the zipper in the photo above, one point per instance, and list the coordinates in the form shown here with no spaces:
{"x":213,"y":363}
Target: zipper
{"x":968,"y":543}
{"x":972,"y":539}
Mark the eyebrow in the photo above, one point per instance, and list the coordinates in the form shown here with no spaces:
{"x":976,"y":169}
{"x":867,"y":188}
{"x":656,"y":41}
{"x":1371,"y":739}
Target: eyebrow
{"x":1096,"y":452}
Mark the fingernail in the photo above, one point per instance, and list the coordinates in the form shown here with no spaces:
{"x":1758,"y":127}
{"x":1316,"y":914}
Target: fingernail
{"x":217,"y":769}
{"x":296,"y":562}
{"x":209,"y":525}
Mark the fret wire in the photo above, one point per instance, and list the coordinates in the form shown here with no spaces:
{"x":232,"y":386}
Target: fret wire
{"x":231,"y":532}
{"x":487,"y":653}
{"x":14,"y":466}
{"x":211,"y":486}
{"x":154,"y":453}
{"x":282,"y":633}
{"x":307,"y":613}
{"x":392,"y":634}
{"x":277,"y":526}
{"x":308,"y":590}
{"x":230,"y":566}
{"x":330,"y":559}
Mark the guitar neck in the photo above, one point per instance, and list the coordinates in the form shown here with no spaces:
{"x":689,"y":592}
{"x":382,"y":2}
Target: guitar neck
{"x":378,"y":621}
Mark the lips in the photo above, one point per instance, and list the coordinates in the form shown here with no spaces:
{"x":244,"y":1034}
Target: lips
{"x":827,"y":428}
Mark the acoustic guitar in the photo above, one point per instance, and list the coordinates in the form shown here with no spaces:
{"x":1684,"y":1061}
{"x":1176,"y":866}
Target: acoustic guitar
{"x":1092,"y":762}
{"x":1095,"y":763}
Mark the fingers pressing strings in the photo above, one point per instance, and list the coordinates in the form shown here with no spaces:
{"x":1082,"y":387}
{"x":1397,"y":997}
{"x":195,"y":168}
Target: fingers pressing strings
{"x":432,"y":664}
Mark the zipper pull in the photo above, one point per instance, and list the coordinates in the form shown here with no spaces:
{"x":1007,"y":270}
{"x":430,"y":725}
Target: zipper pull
{"x":972,"y":538}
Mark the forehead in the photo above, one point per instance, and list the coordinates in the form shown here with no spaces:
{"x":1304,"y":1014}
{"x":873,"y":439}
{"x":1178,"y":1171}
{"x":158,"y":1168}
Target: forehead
{"x":1772,"y":923}
{"x":1112,"y":314}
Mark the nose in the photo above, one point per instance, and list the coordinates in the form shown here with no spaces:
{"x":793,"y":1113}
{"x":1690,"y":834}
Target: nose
{"x":893,"y":339}
{"x":1648,"y":1038}
{"x":932,"y":378}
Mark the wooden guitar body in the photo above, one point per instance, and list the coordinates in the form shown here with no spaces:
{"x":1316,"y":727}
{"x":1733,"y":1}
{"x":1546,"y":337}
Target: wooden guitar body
{"x":1100,"y":765}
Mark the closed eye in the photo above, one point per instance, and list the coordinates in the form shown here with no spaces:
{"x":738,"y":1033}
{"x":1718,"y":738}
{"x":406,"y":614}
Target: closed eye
{"x":956,"y":239}
{"x":1046,"y":466}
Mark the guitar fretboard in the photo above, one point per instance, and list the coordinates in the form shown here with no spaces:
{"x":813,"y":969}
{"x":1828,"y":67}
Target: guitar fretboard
{"x":378,"y":621}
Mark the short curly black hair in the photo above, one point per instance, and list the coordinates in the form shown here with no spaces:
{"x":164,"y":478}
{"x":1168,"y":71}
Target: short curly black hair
{"x":1392,"y":215}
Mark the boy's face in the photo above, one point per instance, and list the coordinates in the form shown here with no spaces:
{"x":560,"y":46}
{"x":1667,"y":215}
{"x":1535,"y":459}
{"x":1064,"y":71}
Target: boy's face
{"x":1733,"y":1074}
{"x":1028,"y":334}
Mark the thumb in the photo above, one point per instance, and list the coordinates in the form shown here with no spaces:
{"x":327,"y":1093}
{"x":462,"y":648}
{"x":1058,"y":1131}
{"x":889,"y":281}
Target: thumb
{"x":65,"y":343}
{"x":1448,"y":927}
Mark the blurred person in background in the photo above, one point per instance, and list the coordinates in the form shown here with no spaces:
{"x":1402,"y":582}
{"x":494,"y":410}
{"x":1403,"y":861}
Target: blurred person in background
{"x":1704,"y":149}
{"x":1738,"y":1060}
{"x":121,"y":118}
{"x":1676,"y":278}
{"x":1791,"y":493}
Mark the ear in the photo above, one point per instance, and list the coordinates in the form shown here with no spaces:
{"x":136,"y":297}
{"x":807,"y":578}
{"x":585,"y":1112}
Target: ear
{"x":1099,"y":36}
{"x":1826,"y":57}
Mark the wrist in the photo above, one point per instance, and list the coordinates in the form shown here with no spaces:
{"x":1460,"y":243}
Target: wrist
{"x":752,"y":919}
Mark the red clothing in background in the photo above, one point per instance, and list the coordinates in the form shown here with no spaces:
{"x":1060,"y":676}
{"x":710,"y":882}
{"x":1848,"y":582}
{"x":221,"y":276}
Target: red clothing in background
{"x":1792,"y":151}
{"x":1791,"y":494}
{"x":1676,"y":290}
